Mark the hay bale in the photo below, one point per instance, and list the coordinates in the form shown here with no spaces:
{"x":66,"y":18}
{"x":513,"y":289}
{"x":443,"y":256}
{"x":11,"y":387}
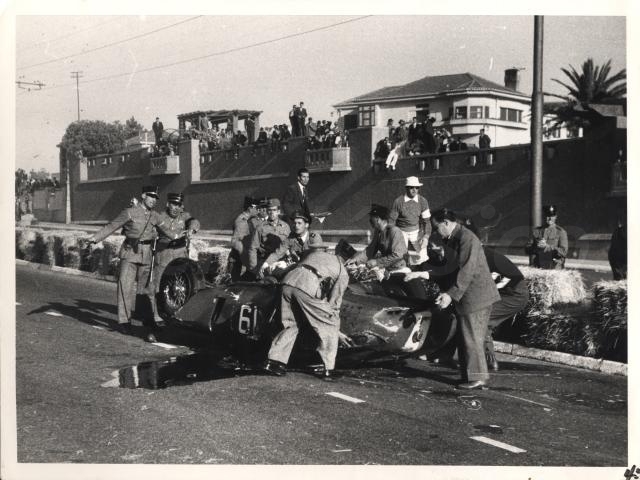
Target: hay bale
{"x":553,"y":287}
{"x":110,"y":260}
{"x":45,"y":244}
{"x":565,"y":328}
{"x":25,"y":243}
{"x":68,"y":248}
{"x":610,"y":309}
{"x":211,"y":259}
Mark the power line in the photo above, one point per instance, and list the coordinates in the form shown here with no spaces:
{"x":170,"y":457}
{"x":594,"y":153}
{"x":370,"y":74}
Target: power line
{"x":215,"y":54}
{"x":111,"y":44}
{"x":91,"y":27}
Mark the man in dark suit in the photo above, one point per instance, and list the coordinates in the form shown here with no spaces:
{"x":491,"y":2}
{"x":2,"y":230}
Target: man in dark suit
{"x":473,"y":292}
{"x":157,"y":128}
{"x":293,"y":118}
{"x":296,"y":197}
{"x":302,"y":119}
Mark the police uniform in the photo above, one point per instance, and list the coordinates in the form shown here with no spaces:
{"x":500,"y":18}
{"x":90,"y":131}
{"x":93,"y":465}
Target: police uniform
{"x":139,"y":227}
{"x":269,"y":242}
{"x":315,"y":286}
{"x":553,"y":255}
{"x":172,"y":242}
{"x":242,"y":230}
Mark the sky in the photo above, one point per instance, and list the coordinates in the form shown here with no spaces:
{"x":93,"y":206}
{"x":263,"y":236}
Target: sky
{"x":267,"y":63}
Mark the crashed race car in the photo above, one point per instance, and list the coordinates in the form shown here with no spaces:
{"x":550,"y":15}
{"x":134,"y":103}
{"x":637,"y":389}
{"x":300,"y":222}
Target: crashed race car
{"x":382,"y":318}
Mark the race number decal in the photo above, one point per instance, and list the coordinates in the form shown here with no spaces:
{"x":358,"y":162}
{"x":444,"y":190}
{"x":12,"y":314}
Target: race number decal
{"x":247,"y":320}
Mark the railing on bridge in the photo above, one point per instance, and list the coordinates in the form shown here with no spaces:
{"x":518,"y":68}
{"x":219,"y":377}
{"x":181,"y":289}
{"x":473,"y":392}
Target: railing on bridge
{"x":433,"y":161}
{"x":328,"y":160}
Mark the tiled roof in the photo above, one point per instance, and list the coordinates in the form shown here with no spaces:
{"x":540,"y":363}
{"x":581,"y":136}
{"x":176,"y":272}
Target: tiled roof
{"x":438,"y":85}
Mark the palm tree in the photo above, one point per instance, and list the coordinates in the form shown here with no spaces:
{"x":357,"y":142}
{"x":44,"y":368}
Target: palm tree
{"x":592,"y":85}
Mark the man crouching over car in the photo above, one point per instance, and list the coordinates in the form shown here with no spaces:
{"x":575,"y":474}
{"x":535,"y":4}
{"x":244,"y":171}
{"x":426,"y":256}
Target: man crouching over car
{"x":311,"y":292}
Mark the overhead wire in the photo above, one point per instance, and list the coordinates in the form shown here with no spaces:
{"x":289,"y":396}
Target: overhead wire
{"x":90,"y":27}
{"x":102,"y":47}
{"x":215,"y":54}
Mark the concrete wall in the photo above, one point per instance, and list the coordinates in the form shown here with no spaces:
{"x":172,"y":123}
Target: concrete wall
{"x":577,"y":178}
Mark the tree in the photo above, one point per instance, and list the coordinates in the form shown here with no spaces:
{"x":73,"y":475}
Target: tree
{"x":132,"y":128}
{"x":22,"y":182}
{"x":593,"y":84}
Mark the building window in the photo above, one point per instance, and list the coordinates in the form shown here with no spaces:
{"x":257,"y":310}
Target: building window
{"x":475,"y":112}
{"x":486,"y":112}
{"x":461,"y":113}
{"x":367,"y":116}
{"x":511,"y":115}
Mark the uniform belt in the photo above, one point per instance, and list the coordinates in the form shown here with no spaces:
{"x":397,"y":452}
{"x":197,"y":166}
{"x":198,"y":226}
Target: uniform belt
{"x":311,"y":269}
{"x":139,"y":242}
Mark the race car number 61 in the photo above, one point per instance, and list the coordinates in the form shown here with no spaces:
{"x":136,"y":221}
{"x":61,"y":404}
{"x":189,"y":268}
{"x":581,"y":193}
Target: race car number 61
{"x":247,"y":319}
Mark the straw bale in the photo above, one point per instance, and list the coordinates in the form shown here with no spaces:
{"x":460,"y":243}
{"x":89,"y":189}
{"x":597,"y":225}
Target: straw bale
{"x":110,"y":259}
{"x":25,"y":243}
{"x":552,"y":287}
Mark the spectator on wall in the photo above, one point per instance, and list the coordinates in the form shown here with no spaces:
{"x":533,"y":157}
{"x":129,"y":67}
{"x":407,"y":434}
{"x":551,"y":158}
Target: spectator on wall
{"x":157,"y":128}
{"x":310,"y":128}
{"x":293,"y":119}
{"x":250,"y":127}
{"x":302,"y":117}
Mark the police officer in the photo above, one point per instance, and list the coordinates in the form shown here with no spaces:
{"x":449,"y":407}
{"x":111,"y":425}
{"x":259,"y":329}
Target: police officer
{"x":138,"y":225}
{"x":298,"y":246}
{"x":314,"y":290}
{"x":270,"y":241}
{"x":175,"y":229}
{"x":260,"y":217}
{"x":238,"y":257}
{"x":549,"y":244}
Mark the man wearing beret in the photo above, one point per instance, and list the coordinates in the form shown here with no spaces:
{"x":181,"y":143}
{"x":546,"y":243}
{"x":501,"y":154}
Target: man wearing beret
{"x":238,"y":257}
{"x":549,"y":244}
{"x":270,"y":240}
{"x":387,"y":240}
{"x":138,"y":224}
{"x":312,"y":293}
{"x":175,"y":229}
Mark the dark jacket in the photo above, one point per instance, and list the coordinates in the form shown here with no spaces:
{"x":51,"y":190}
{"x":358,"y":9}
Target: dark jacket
{"x":293,"y":201}
{"x":474,"y":288}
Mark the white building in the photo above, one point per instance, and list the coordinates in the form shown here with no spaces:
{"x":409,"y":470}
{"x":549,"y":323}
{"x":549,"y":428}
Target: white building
{"x":462,"y":103}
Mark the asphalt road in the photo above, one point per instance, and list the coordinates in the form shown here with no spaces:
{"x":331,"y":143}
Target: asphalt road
{"x":71,"y":408}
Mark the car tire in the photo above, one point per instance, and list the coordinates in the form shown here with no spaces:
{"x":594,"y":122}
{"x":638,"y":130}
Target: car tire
{"x":179,"y":282}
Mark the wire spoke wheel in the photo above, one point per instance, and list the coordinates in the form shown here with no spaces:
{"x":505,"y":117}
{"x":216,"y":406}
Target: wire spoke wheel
{"x":177,"y":286}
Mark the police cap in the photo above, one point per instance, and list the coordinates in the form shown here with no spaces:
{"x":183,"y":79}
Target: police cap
{"x":273,"y":202}
{"x":176,"y":198}
{"x":299,"y":214}
{"x":150,"y":190}
{"x":315,"y":241}
{"x":550,"y":210}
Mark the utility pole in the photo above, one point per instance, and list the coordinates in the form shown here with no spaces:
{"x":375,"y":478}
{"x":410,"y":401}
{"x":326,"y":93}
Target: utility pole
{"x":77,"y":76}
{"x":536,"y":124}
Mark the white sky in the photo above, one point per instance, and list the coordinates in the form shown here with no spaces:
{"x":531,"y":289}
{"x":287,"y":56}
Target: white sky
{"x":320,"y":68}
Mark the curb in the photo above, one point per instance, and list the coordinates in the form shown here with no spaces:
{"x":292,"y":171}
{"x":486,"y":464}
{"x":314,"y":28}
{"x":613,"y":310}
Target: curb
{"x":66,"y":270}
{"x":595,"y":364}
{"x":598,"y":365}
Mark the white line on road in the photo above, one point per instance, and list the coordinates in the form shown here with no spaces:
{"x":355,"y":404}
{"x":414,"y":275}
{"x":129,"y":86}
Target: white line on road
{"x":345,"y":397}
{"x":498,"y":444}
{"x":54,"y":314}
{"x":524,"y":399}
{"x":343,"y":450}
{"x":97,"y":327}
{"x":18,"y":303}
{"x":164,"y":345}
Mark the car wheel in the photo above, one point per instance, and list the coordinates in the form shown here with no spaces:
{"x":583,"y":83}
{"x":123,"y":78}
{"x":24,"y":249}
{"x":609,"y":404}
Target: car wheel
{"x":177,"y":286}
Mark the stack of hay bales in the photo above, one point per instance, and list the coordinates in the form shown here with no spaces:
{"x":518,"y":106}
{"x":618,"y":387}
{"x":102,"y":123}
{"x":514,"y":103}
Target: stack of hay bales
{"x":110,"y":248}
{"x":563,"y":315}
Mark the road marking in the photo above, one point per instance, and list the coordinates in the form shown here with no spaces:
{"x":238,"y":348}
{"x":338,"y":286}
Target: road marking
{"x":164,"y":345}
{"x":343,"y":450}
{"x":498,"y":444}
{"x":114,"y":382}
{"x":524,"y":399}
{"x":54,"y":314}
{"x":18,"y":303}
{"x":345,"y":397}
{"x":97,"y":327}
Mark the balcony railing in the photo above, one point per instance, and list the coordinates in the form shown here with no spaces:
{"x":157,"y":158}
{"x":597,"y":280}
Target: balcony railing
{"x":328,"y":160}
{"x":167,"y":165}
